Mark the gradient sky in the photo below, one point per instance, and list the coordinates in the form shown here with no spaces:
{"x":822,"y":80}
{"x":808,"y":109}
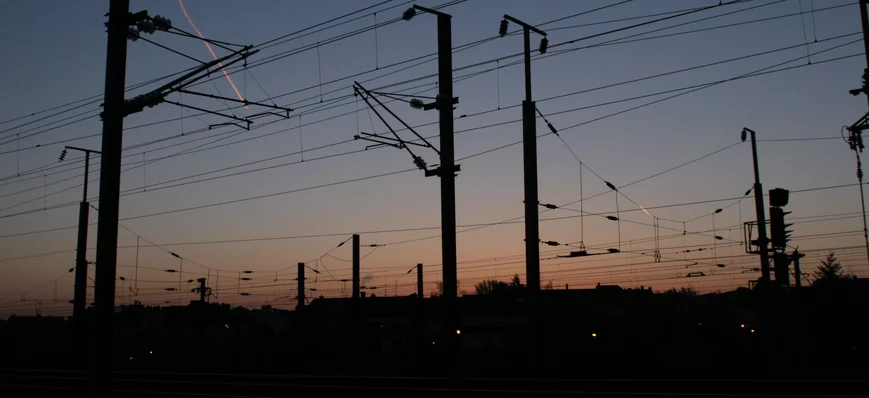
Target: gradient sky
{"x":57,"y":55}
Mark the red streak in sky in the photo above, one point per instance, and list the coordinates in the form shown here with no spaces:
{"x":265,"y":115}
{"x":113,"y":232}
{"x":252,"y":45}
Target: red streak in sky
{"x":213,"y":55}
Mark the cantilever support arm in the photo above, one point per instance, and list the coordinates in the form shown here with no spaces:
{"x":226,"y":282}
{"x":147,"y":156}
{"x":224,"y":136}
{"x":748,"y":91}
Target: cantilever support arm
{"x":233,"y":117}
{"x":245,"y":102}
{"x":379,"y":116}
{"x":399,"y":119}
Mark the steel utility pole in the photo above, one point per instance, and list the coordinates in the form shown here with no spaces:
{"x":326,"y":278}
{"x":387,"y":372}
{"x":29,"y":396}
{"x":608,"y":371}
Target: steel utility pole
{"x":855,"y":138}
{"x":446,"y":172}
{"x":110,"y":183}
{"x":532,"y":227}
{"x":864,"y":22}
{"x":301,"y":287}
{"x":447,"y":158}
{"x":798,"y":276}
{"x":81,"y":264}
{"x":420,"y":333}
{"x":759,"y":209}
{"x":419,"y":293}
{"x":355,"y":294}
{"x":529,"y":145}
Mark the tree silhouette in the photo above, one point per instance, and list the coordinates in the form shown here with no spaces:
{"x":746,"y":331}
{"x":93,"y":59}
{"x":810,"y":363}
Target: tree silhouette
{"x":516,"y":282}
{"x":492,"y":286}
{"x":438,"y":290}
{"x":684,"y":291}
{"x":829,"y":270}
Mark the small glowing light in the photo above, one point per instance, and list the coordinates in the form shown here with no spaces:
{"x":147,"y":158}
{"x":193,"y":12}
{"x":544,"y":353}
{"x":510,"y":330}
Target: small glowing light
{"x":432,"y":343}
{"x":150,"y":352}
{"x":699,"y":324}
{"x":594,"y":335}
{"x":226,"y":326}
{"x":131,"y":358}
{"x":752,"y":330}
{"x":458,"y":331}
{"x":742,"y":326}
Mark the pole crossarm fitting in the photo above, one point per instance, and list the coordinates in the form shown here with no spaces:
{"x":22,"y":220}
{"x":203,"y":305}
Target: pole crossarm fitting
{"x":855,"y":133}
{"x":155,"y":97}
{"x":438,"y":170}
{"x":524,"y":25}
{"x":861,"y":124}
{"x":85,"y":150}
{"x":436,"y":105}
{"x":411,"y":12}
{"x":397,"y":96}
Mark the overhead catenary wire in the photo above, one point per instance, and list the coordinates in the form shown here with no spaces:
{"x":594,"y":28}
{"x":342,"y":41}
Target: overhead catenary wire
{"x":729,"y":3}
{"x":693,"y":88}
{"x":457,"y":47}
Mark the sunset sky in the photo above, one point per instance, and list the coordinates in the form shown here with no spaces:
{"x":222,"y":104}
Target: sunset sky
{"x":190,"y":199}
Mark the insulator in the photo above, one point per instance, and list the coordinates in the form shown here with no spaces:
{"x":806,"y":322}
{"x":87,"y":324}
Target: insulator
{"x":132,"y":34}
{"x":408,"y":14}
{"x":544,"y":45}
{"x":502,"y":30}
{"x":552,"y":128}
{"x":416,"y":103}
{"x":419,"y":162}
{"x":162,"y":23}
{"x":146,"y":26}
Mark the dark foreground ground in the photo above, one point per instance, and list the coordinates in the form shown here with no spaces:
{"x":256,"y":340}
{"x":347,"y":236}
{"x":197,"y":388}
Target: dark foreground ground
{"x":19,"y":383}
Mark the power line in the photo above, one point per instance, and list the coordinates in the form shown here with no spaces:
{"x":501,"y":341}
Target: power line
{"x":457,"y":49}
{"x":693,"y":87}
{"x":697,"y":87}
{"x":96,"y":98}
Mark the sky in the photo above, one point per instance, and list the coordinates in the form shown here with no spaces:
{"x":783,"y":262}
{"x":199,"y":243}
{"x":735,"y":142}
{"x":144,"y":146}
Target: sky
{"x":228,"y":200}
